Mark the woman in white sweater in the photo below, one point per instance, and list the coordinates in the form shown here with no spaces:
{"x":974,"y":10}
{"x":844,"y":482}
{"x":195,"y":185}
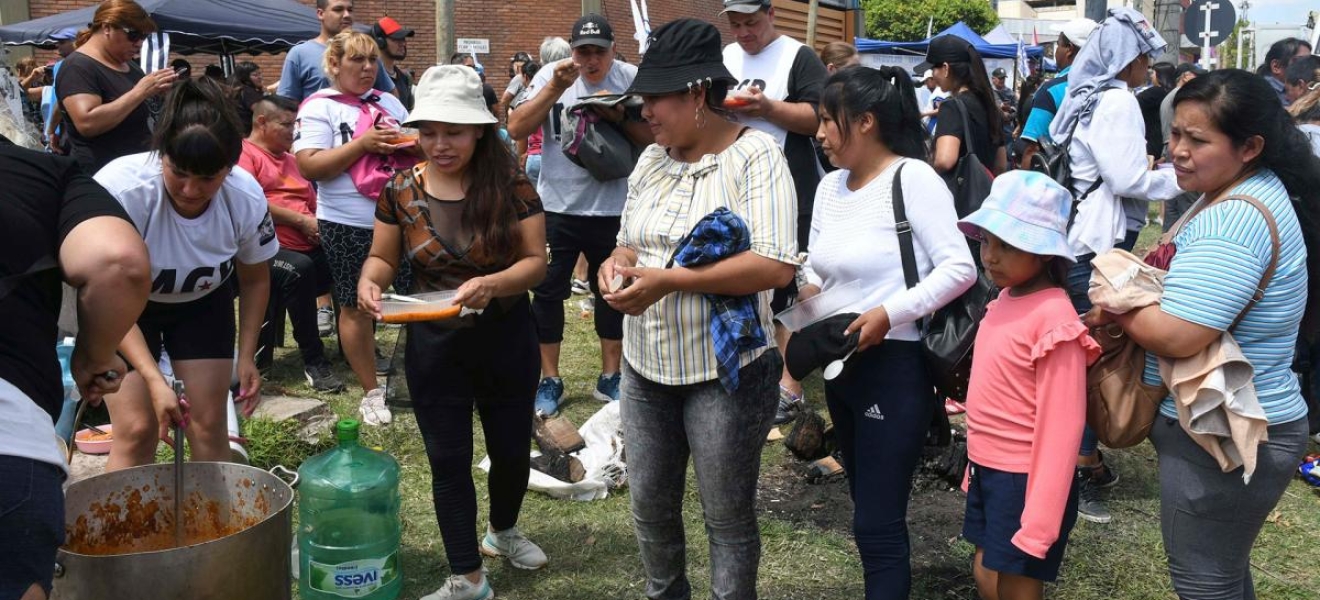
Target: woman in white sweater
{"x":882,"y":402}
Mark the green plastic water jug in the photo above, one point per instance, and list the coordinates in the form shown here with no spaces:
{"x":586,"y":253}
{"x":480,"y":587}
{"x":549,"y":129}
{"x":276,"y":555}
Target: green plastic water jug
{"x":348,"y":531}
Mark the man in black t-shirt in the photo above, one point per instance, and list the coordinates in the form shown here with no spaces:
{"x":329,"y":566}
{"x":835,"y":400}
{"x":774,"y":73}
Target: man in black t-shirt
{"x":55,"y":222}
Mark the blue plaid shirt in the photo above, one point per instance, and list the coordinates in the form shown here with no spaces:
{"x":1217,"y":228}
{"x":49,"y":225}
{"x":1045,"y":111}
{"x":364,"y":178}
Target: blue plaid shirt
{"x":734,"y":326}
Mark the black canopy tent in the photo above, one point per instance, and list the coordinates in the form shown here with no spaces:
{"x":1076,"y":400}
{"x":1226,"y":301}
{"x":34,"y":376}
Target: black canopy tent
{"x":223,"y":27}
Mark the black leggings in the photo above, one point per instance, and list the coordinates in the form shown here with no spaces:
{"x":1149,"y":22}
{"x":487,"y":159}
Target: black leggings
{"x":568,"y":236}
{"x":494,"y":366}
{"x":296,"y":279}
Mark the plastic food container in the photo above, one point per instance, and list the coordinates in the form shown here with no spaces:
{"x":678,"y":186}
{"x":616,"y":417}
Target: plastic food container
{"x":90,"y":442}
{"x":821,"y":306}
{"x":436,"y":306}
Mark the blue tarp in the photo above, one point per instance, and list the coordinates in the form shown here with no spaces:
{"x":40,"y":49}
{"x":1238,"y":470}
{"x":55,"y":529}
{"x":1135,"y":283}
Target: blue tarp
{"x":959,"y":29}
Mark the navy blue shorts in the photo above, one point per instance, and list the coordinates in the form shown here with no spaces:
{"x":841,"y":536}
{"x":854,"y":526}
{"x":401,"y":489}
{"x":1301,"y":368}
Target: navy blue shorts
{"x":31,"y":523}
{"x":995,"y":500}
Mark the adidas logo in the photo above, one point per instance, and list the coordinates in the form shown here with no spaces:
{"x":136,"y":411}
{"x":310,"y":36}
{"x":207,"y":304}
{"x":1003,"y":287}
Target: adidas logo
{"x":874,"y":412}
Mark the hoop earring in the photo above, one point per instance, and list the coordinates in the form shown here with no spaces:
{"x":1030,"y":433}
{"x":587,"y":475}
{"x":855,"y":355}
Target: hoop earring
{"x":701,"y":116}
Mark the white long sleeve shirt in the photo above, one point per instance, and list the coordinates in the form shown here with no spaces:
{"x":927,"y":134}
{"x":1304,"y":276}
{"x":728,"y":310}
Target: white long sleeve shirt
{"x":853,"y":238}
{"x":1113,"y":146}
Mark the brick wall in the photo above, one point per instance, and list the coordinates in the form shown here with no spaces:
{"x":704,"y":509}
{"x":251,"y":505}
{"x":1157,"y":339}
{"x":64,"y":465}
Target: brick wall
{"x":520,"y":25}
{"x":510,"y":25}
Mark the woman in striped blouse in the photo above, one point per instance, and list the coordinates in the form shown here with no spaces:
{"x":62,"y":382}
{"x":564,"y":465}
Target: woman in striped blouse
{"x":677,"y":400}
{"x":1230,"y":138}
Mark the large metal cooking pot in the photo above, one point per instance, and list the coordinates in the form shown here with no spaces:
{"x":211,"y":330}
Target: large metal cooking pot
{"x":120,"y":535}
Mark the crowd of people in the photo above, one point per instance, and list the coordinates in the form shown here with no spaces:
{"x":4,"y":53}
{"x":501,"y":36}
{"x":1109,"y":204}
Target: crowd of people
{"x":764,"y":174}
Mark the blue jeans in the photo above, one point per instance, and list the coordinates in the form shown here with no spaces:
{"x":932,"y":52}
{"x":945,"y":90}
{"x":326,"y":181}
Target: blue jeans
{"x":31,"y":523}
{"x":723,"y":433}
{"x":880,"y":406}
{"x":533,"y":168}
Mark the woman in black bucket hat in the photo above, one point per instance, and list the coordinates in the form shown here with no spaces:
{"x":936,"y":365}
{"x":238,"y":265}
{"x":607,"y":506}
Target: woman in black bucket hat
{"x":693,"y":386}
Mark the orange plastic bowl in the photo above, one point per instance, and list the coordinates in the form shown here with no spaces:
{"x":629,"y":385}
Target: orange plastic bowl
{"x":90,"y":442}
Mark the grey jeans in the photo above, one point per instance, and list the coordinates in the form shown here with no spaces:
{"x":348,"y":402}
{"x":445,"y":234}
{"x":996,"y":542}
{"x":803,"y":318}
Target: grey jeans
{"x":723,"y":433}
{"x":1208,"y":518}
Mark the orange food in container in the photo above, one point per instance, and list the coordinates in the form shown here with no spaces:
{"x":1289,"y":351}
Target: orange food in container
{"x":434,"y":306}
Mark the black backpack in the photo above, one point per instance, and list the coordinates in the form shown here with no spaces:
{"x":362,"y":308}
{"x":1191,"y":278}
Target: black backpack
{"x":1053,"y":160}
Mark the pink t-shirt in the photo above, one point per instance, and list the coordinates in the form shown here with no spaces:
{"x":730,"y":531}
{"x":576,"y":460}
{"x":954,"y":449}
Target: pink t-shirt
{"x":1026,"y":403}
{"x":285,"y":187}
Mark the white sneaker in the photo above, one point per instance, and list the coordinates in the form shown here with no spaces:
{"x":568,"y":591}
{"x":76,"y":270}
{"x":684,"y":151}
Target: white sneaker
{"x":373,"y":409}
{"x":512,"y":544}
{"x":325,"y":321}
{"x":457,"y":587}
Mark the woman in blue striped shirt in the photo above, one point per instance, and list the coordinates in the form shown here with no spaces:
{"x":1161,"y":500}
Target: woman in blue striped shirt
{"x":1230,"y":138}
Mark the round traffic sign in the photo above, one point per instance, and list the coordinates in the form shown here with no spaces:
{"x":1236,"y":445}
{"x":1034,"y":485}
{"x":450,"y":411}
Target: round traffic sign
{"x":1222,"y":17}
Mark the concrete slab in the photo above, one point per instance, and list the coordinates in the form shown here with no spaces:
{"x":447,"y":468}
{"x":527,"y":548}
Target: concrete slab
{"x":315,"y":415}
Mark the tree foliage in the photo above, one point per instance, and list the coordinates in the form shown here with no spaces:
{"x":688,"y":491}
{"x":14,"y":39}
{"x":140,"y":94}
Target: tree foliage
{"x":906,"y":20}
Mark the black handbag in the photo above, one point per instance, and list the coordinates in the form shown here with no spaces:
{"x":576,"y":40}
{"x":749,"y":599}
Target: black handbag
{"x":947,"y":336}
{"x":969,"y":181}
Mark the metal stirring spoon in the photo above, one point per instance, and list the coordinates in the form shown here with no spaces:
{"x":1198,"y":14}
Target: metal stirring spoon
{"x":835,"y":367}
{"x":178,"y":473}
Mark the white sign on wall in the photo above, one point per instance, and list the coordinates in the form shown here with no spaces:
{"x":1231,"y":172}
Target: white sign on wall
{"x":473,"y":46}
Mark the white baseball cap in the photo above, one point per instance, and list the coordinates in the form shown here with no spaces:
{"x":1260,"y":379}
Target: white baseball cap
{"x":450,"y":94}
{"x":1077,"y":30}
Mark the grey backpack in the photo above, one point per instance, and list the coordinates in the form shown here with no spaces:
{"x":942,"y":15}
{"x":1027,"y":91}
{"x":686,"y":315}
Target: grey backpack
{"x":595,"y":144}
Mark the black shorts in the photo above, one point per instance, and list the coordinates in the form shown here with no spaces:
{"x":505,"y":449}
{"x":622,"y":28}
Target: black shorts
{"x":995,"y":501}
{"x":201,"y":329}
{"x":346,"y":249}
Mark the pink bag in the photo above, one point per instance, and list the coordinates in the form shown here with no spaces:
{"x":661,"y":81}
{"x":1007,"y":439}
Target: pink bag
{"x":371,"y":172}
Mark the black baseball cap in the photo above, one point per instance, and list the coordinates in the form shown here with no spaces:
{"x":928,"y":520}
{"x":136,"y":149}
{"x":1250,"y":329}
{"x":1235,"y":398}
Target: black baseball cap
{"x":592,"y":30}
{"x":999,"y":73}
{"x":1192,"y":68}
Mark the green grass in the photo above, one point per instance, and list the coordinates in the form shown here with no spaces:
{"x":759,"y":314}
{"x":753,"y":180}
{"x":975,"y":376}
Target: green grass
{"x":593,"y":554}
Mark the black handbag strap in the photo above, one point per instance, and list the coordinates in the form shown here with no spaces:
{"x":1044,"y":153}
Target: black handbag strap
{"x":903,"y":228}
{"x":966,"y":141}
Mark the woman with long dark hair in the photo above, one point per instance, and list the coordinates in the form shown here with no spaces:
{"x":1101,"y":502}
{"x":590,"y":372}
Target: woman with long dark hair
{"x":871,"y":130}
{"x":959,"y":70}
{"x":1231,"y":138}
{"x":207,"y":227}
{"x":469,"y":221}
{"x":249,"y":88}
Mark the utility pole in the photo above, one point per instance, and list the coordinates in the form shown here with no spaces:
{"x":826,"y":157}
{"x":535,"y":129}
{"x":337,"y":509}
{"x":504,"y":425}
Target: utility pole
{"x":813,"y":13}
{"x":591,"y":7}
{"x":445,"y":39}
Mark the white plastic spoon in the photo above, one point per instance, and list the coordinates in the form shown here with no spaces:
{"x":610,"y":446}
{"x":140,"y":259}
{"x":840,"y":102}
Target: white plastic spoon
{"x":835,"y":367}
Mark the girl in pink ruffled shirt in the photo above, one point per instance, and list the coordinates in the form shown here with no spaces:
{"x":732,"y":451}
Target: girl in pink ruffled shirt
{"x":1027,"y":401}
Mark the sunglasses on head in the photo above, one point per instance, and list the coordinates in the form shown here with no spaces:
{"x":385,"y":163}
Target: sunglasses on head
{"x":133,"y":34}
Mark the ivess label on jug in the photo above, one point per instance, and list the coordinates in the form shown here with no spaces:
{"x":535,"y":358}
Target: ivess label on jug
{"x":356,"y":578}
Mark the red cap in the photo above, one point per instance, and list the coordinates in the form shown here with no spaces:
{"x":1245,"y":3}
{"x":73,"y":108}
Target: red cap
{"x":390,"y":28}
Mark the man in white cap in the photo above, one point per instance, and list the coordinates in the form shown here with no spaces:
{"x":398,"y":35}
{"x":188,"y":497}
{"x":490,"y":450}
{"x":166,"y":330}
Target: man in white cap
{"x":582,"y":214}
{"x":779,"y":84}
{"x":1072,"y":36}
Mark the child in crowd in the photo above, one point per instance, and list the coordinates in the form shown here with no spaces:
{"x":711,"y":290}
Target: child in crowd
{"x":1026,"y":404}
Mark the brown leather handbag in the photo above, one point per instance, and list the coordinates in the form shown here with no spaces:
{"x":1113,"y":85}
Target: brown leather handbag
{"x":1120,"y":406}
